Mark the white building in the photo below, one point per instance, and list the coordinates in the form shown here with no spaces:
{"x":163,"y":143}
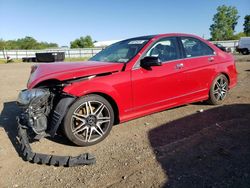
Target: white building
{"x":105,"y":43}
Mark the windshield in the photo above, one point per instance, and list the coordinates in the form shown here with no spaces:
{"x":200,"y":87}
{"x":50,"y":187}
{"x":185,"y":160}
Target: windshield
{"x":121,"y":52}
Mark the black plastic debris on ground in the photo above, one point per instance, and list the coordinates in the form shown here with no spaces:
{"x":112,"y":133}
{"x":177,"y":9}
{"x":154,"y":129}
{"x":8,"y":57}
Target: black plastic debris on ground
{"x":39,"y":158}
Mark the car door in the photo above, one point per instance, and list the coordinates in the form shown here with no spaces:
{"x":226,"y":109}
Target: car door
{"x":159,"y":85}
{"x":198,"y":66}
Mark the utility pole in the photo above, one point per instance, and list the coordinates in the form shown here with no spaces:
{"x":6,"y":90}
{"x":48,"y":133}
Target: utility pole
{"x":4,"y":53}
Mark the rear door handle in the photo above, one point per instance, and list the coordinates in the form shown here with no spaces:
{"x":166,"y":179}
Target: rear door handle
{"x":210,"y":59}
{"x":179,"y":66}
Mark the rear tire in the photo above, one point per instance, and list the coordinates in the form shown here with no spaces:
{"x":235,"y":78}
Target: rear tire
{"x":218,"y":90}
{"x":245,"y":51}
{"x":89,"y":120}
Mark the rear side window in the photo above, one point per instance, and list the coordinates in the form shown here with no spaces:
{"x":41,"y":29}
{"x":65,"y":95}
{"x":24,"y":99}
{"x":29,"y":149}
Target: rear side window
{"x":194,"y":47}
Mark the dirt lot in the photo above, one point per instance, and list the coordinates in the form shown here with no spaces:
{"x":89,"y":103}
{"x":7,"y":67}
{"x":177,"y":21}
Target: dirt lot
{"x":180,"y":147}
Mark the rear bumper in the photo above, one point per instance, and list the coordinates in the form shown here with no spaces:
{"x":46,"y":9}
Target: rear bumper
{"x":232,"y":85}
{"x":233,"y":81}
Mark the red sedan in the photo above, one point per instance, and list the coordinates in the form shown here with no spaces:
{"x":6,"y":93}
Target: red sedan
{"x":129,"y":79}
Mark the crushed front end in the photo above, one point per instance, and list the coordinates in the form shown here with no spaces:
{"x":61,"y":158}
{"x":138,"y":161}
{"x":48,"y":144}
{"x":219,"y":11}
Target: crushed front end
{"x":36,"y":105}
{"x":43,"y":109}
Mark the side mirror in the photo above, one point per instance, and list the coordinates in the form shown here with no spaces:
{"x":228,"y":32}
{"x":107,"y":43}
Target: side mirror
{"x":150,"y":61}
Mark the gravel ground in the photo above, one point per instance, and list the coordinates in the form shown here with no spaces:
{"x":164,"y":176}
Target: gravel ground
{"x":180,"y":147}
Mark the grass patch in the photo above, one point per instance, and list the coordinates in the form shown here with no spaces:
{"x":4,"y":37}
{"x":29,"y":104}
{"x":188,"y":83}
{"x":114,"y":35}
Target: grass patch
{"x":4,"y":61}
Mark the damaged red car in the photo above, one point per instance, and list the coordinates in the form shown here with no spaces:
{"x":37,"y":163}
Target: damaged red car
{"x":129,"y":79}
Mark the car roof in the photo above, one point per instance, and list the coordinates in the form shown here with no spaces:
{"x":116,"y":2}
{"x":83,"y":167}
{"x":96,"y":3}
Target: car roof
{"x":158,"y":36}
{"x":175,"y":35}
{"x":148,"y":37}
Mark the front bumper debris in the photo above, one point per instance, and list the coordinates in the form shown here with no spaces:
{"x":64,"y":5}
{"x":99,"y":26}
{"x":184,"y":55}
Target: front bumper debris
{"x":39,"y":158}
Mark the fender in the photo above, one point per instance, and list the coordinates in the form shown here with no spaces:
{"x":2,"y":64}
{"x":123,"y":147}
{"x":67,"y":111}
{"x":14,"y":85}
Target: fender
{"x":226,"y":70}
{"x":99,"y":85}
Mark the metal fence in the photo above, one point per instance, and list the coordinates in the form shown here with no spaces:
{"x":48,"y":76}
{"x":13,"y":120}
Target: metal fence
{"x":83,"y":52}
{"x":69,"y":53}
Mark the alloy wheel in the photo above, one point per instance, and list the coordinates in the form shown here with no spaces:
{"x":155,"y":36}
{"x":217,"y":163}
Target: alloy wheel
{"x":90,"y":121}
{"x":220,"y":89}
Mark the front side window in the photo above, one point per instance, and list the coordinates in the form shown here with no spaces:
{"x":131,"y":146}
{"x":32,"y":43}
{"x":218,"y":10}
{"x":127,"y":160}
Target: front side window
{"x":121,"y":52}
{"x":164,"y":49}
{"x":194,"y":47}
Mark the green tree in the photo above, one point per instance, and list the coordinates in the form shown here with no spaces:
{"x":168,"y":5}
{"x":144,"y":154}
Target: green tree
{"x":247,"y":25}
{"x":224,"y":24}
{"x":82,"y":42}
{"x":237,"y":36}
{"x":43,"y":45}
{"x":11,"y":44}
{"x":25,"y":43}
{"x":2,"y":44}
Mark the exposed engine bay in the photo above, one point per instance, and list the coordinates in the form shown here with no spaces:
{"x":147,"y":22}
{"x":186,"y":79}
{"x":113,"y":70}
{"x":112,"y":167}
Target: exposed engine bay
{"x":43,"y":112}
{"x":39,"y":110}
{"x":35,"y":115}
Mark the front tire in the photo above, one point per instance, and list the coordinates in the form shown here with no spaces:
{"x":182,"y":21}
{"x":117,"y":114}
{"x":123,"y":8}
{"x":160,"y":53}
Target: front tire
{"x":89,"y":120}
{"x":218,"y":90}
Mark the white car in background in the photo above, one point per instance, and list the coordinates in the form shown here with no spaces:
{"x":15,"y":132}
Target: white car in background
{"x":244,"y":45}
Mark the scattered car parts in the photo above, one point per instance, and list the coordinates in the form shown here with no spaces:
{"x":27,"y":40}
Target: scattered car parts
{"x":39,"y":158}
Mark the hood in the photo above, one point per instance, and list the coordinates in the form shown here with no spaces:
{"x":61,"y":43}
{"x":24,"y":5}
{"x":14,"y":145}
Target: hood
{"x":68,"y":70}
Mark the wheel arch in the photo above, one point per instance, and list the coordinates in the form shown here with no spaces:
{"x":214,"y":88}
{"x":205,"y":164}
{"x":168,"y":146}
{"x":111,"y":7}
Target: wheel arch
{"x":103,"y":89}
{"x":216,"y":75}
{"x":227,"y":76}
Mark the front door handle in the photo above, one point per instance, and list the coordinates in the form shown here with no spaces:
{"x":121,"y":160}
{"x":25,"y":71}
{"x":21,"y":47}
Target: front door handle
{"x":210,"y":59}
{"x":179,"y":66}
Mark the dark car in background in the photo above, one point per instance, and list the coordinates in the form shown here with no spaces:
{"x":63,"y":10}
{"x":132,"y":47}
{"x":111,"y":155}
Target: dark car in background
{"x":220,"y":46}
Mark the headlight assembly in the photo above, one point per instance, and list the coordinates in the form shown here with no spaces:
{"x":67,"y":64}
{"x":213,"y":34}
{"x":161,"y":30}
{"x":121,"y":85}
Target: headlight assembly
{"x":26,"y":96}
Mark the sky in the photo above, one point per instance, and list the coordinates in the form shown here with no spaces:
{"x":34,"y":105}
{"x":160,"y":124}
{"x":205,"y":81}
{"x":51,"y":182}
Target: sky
{"x":62,"y":21}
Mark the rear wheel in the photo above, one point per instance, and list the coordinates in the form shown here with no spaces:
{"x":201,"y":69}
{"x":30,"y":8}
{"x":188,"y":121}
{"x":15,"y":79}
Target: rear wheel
{"x":218,"y":90}
{"x":89,"y":120}
{"x":245,"y":51}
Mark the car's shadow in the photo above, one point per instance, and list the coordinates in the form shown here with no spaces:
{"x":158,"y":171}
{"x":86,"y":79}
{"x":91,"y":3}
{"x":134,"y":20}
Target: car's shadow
{"x":60,"y":138}
{"x":208,"y":149}
{"x":8,"y":122}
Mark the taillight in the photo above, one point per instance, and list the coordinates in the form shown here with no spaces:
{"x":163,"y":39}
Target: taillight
{"x":33,"y":69}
